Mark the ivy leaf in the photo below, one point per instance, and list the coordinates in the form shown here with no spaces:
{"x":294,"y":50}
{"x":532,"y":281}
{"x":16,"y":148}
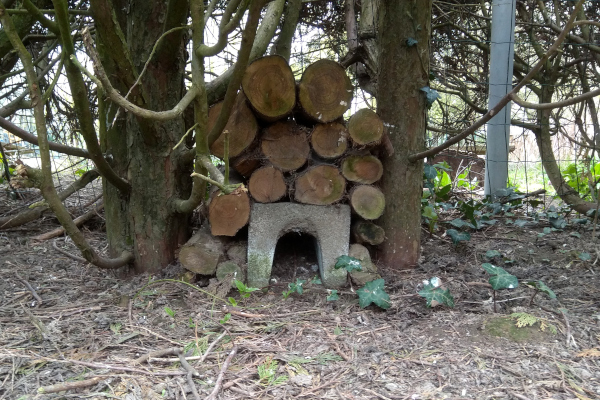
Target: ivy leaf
{"x":430,"y":172}
{"x":492,"y":253}
{"x":410,"y":42}
{"x":349,"y":263}
{"x":431,"y":95}
{"x":373,"y":292}
{"x":500,"y":279}
{"x":584,"y":256}
{"x":435,"y":294}
{"x":457,"y":236}
{"x":429,"y":212}
{"x":333,"y":296}
{"x":459,"y":223}
{"x":541,"y":286}
{"x":558,"y":222}
{"x":520,"y":223}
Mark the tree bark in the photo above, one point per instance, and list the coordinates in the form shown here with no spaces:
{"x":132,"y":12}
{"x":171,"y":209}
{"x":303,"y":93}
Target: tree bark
{"x":270,"y":87}
{"x":242,"y":128}
{"x":285,"y":145}
{"x":329,"y":140}
{"x":325,"y":91}
{"x":267,"y":185}
{"x":401,"y":105}
{"x":144,"y":220}
{"x":322,"y":185}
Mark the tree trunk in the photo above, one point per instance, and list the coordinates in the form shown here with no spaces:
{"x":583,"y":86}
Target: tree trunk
{"x":267,"y":185}
{"x":367,"y":201}
{"x":365,"y":169}
{"x":325,"y":91}
{"x":329,"y":140}
{"x":403,"y":71}
{"x":242,"y":128}
{"x":142,"y":150}
{"x":365,"y":128}
{"x":544,"y":142}
{"x":322,"y":185}
{"x":285,"y":145}
{"x":270,"y":87}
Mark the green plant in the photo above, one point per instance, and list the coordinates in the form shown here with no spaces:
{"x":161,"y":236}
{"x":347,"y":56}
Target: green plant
{"x":348,"y":263}
{"x":373,"y":292}
{"x":539,"y":286}
{"x":225,"y":318}
{"x":499,"y":279}
{"x":267,"y":373}
{"x":170,"y":312}
{"x":116,"y":328}
{"x":294,"y":287}
{"x":244,"y":290}
{"x":524,"y":319}
{"x":435,"y":293}
{"x":333,"y":295}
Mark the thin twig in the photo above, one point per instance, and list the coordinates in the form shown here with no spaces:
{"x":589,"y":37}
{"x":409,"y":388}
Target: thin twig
{"x":66,"y":253}
{"x":29,"y":287}
{"x":190,"y":373}
{"x":61,"y":387}
{"x":219,"y":381}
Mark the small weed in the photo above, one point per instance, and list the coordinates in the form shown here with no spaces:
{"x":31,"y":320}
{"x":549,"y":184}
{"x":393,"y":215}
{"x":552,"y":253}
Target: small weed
{"x":267,"y":373}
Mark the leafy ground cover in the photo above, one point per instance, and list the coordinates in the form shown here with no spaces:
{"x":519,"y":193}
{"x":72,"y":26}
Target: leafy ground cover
{"x":124,"y":337}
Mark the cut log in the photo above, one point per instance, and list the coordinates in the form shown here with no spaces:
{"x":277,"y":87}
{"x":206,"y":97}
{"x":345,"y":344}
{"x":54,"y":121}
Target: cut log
{"x":367,"y":201}
{"x":270,"y":87}
{"x":321,"y":185}
{"x":365,"y":128}
{"x":267,"y":185}
{"x":365,"y":169}
{"x":202,"y":253}
{"x":368,"y":232}
{"x":226,"y":268}
{"x":228,"y":213}
{"x":285,"y":145}
{"x":246,"y":164}
{"x":329,"y":140}
{"x":242,"y":127}
{"x":325,"y":91}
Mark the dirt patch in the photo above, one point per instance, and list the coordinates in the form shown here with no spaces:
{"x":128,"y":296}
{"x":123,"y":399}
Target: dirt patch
{"x":94,"y":324}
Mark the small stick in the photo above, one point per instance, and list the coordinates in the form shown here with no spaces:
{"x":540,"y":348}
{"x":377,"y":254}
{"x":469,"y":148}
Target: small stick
{"x":190,"y":372}
{"x":158,"y":353}
{"x":78,"y":221}
{"x":208,"y":350}
{"x":28,"y":286}
{"x":66,"y":253}
{"x":60,"y":387}
{"x":219,"y":381}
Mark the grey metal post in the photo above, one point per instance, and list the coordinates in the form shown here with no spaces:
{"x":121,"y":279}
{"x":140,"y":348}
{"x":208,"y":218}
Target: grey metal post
{"x":501,"y":73}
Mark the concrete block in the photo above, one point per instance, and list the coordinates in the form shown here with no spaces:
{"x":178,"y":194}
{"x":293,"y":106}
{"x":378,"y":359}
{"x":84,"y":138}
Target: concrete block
{"x":329,"y":225}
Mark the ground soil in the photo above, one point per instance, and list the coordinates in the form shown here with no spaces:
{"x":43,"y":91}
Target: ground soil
{"x":84,"y":323}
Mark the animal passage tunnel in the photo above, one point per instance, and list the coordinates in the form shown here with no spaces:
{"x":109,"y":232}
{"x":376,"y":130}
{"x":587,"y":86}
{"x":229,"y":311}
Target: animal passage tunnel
{"x":329,"y":225}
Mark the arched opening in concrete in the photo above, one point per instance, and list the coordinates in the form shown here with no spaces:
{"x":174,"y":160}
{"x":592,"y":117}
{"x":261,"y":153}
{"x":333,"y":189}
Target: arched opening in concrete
{"x":295,"y":257}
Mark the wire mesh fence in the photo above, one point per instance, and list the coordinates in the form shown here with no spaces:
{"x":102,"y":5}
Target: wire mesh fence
{"x":459,"y":64}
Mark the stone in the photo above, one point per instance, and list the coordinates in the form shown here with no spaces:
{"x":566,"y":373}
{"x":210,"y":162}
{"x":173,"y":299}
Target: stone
{"x":369,"y":270}
{"x":329,"y":225}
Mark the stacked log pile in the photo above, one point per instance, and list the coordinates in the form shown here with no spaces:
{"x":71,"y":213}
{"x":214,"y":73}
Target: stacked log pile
{"x":289,"y":142}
